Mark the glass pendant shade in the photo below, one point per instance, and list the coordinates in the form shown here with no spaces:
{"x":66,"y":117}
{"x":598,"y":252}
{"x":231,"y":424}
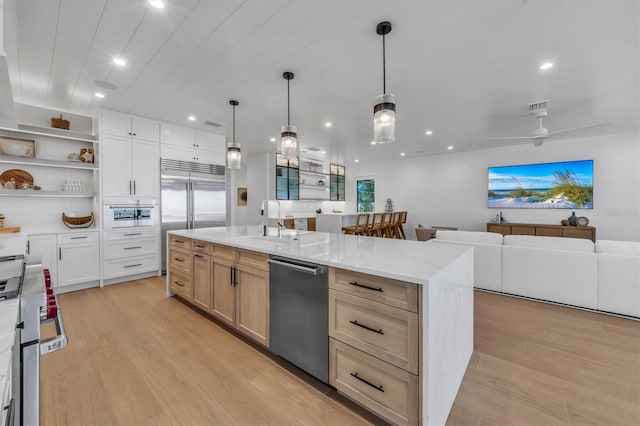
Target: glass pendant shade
{"x":234,"y":156}
{"x":289,"y":142}
{"x":384,"y":119}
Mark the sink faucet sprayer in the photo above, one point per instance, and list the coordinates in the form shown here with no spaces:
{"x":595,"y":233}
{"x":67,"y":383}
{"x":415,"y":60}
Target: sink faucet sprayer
{"x":263,"y":227}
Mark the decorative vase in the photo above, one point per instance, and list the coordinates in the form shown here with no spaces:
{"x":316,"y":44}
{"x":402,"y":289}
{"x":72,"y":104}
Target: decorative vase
{"x":573,"y":219}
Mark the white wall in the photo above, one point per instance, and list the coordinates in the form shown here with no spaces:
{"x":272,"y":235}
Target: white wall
{"x":451,"y":189}
{"x":237,"y":179}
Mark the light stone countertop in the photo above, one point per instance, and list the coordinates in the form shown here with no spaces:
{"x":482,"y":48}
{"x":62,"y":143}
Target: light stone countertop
{"x":406,"y":260}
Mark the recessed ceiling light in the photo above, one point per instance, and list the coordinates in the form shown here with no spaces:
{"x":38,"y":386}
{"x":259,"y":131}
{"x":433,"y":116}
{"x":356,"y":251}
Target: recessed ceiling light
{"x":323,"y":152}
{"x":373,"y":142}
{"x":546,"y":66}
{"x":99,"y":95}
{"x":449,"y":148}
{"x":328,"y":124}
{"x":119,"y":62}
{"x":356,"y":160}
{"x":402,"y":154}
{"x":191,"y":118}
{"x":272,"y":139}
{"x":428,"y":132}
{"x":158,"y":4}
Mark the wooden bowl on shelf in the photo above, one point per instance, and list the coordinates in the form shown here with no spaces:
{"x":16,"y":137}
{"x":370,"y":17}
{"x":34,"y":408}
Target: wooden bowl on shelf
{"x":77,"y":222}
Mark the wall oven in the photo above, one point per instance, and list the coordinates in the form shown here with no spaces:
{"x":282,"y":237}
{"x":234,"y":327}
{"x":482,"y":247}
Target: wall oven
{"x":118,"y":216}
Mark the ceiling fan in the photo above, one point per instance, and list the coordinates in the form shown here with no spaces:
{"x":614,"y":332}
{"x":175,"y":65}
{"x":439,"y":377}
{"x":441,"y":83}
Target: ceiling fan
{"x":539,"y":110}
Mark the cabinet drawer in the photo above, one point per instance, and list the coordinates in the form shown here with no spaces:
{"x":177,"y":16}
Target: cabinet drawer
{"x":390,"y":292}
{"x":79,"y":237}
{"x":181,"y":259}
{"x":201,"y":247}
{"x":388,"y":391}
{"x":223,"y":252}
{"x":253,"y":259}
{"x":130,"y":266}
{"x":578,"y":233}
{"x":182,"y":242}
{"x":388,"y":333}
{"x":117,"y":249}
{"x":549,"y":232}
{"x":499,"y":229}
{"x":181,"y":284}
{"x":523,"y":230}
{"x":132,"y":234}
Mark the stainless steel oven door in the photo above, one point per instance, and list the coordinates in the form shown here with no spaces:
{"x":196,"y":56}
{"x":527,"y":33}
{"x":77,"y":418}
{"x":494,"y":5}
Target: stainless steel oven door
{"x":128,"y":216}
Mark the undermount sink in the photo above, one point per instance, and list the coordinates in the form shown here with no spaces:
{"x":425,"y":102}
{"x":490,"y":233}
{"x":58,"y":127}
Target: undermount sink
{"x":286,"y":237}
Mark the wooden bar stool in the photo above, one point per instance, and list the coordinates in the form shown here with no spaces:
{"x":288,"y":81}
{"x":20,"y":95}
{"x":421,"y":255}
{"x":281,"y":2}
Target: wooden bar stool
{"x":373,"y":230}
{"x":394,"y":226}
{"x":362,"y":223}
{"x":403,"y":220}
{"x":384,"y":225}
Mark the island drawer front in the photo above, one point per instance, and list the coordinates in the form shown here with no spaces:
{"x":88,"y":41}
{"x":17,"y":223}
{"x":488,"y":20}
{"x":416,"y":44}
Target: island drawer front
{"x":181,"y":284}
{"x":253,"y":259}
{"x":123,"y":248}
{"x":224,"y":252}
{"x":80,"y":237}
{"x":398,"y":403}
{"x":180,"y":242}
{"x":132,"y":234}
{"x":384,"y":290}
{"x":130,"y":266}
{"x":385,"y":332}
{"x":201,"y":247}
{"x":180,"y":258}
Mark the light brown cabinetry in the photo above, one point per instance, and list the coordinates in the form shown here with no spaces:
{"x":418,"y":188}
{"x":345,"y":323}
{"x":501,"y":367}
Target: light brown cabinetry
{"x":542,"y":230}
{"x":202,"y":280}
{"x":374,"y":344}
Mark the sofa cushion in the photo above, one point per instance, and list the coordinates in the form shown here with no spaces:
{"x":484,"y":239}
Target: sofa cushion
{"x":625,"y":248}
{"x":554,"y":243}
{"x":470,"y":237}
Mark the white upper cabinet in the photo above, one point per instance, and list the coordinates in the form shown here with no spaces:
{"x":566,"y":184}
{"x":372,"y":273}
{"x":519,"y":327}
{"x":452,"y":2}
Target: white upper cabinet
{"x":210,"y":142}
{"x":186,"y":144}
{"x":118,"y":124}
{"x":171,"y":134}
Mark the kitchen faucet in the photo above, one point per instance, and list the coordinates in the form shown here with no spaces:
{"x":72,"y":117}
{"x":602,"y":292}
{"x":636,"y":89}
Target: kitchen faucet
{"x":279,"y":226}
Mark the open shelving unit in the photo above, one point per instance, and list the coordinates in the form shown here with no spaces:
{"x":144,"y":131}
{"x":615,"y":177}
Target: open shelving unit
{"x":5,"y":159}
{"x":52,"y":194}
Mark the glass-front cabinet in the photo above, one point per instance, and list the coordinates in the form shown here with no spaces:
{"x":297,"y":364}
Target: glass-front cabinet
{"x":336,"y":176}
{"x":287,"y":184}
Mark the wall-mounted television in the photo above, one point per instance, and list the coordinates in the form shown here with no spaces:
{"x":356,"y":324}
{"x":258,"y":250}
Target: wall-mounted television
{"x":563,"y":185}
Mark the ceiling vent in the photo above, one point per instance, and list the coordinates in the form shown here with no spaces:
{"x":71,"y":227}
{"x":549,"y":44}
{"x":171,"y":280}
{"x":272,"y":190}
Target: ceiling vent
{"x":314,"y":149}
{"x":213,"y":124}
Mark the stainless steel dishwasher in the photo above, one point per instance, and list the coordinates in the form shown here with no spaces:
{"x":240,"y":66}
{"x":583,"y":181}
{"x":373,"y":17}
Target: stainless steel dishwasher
{"x":299,"y":318}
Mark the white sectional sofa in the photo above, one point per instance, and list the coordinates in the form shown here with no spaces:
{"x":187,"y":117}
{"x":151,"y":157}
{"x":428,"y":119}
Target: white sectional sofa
{"x":487,"y":254}
{"x":618,"y":276}
{"x":604,"y":276}
{"x":558,"y":269}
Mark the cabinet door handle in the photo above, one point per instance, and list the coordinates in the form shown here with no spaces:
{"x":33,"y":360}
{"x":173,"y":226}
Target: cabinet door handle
{"x":231,"y":276}
{"x":235,"y":281}
{"x":78,"y":238}
{"x":179,"y":259}
{"x":367,"y":382}
{"x":133,"y":266}
{"x":178,"y":283}
{"x":133,"y":248}
{"x":59,"y":253}
{"x":130,"y":192}
{"x":28,"y":247}
{"x":366,"y":327}
{"x":198,"y":255}
{"x":132,"y":234}
{"x":134,"y":187}
{"x":354,"y":283}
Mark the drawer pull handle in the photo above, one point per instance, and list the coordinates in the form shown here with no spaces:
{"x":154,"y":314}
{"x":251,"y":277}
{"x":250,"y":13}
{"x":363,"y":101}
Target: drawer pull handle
{"x":79,"y":238}
{"x":133,"y":266}
{"x":178,"y":241}
{"x":179,"y":259}
{"x":379,"y":331}
{"x":367,"y":382}
{"x":199,"y":246}
{"x":133,"y":248}
{"x":132,"y":234}
{"x":198,"y":255}
{"x":366,"y":286}
{"x":178,"y":283}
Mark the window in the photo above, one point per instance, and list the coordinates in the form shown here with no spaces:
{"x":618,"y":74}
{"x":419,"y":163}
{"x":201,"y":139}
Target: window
{"x":366,"y":195}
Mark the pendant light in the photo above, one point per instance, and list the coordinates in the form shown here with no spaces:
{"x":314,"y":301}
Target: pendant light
{"x":384,"y":109}
{"x":234,"y":157}
{"x":289,"y":135}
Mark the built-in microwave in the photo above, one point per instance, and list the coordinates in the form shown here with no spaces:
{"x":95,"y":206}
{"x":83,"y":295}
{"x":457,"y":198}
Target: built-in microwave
{"x":127,"y":216}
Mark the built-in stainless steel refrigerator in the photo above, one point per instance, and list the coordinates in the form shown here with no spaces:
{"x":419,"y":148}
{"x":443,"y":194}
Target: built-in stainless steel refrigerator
{"x":193,"y":196}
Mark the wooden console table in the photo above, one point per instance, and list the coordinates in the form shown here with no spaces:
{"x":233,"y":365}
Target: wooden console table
{"x":543,"y":230}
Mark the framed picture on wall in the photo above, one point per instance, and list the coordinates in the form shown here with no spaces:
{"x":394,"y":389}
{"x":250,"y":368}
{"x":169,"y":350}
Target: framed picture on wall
{"x":242,"y":196}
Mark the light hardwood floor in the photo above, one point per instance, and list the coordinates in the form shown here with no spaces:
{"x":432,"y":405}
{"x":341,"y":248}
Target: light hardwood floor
{"x":136,"y":357}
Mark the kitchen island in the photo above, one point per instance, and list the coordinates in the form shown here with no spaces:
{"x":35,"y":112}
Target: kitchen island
{"x":420,"y":294}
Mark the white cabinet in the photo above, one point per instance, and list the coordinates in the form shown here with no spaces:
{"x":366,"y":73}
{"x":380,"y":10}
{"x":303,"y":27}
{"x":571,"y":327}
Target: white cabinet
{"x":129,"y":252}
{"x":130,"y":156}
{"x":78,"y":258}
{"x":45,"y":246}
{"x":185,"y":144}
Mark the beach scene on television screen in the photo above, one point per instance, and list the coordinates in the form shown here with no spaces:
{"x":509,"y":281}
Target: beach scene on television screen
{"x":564,"y":185}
